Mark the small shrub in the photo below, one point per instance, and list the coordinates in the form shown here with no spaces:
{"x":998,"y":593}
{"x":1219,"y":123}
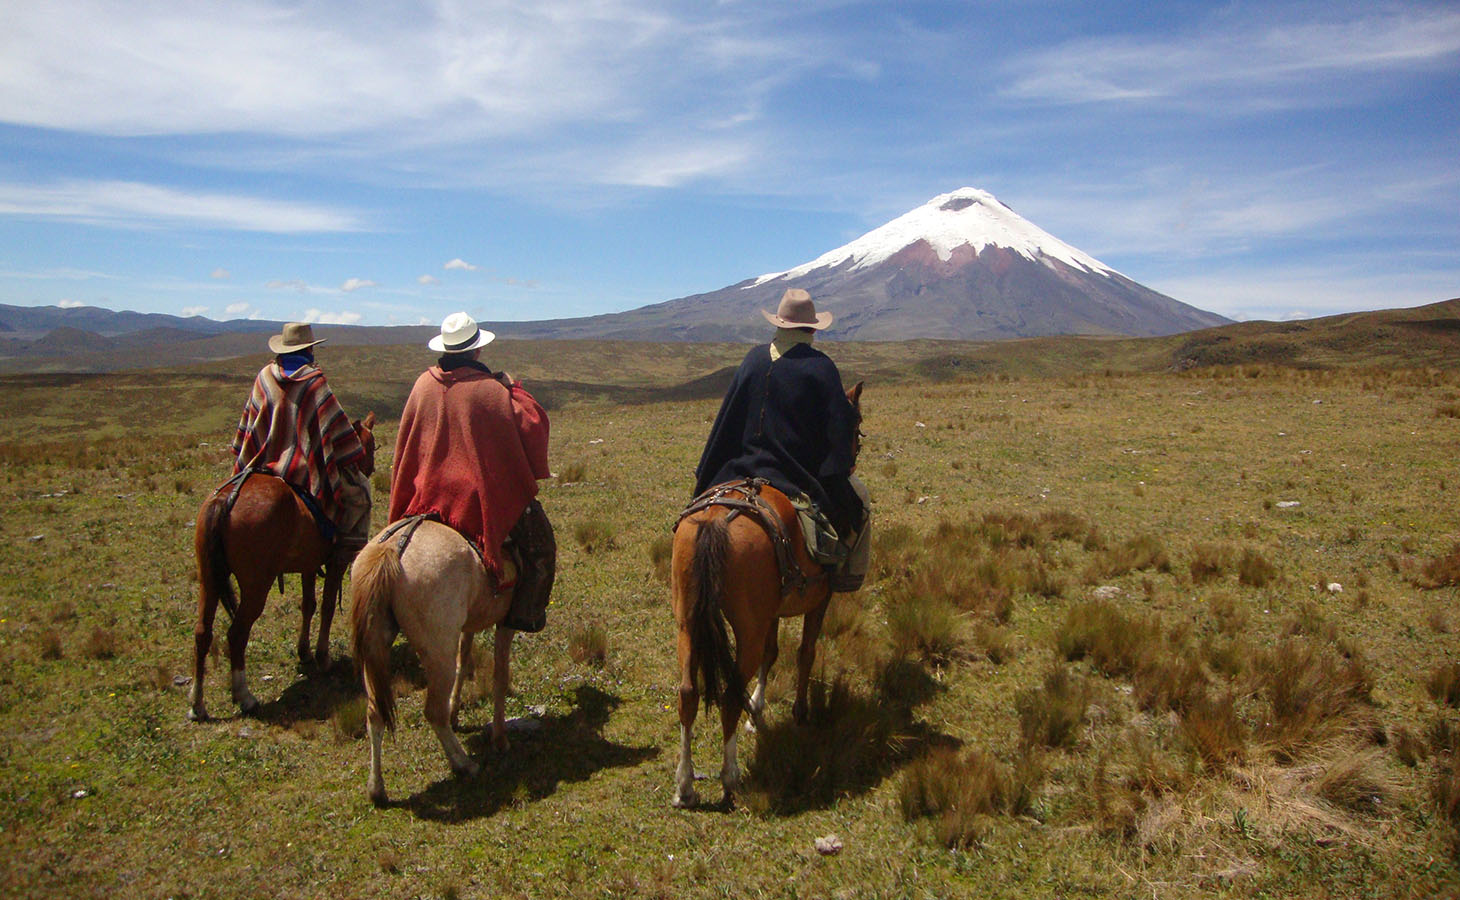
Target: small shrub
{"x":960,"y":793}
{"x":1358,"y":783}
{"x":1442,"y":571}
{"x":594,"y":535}
{"x":589,"y":645}
{"x":1254,"y":570}
{"x":1214,"y":731}
{"x":1141,"y":552}
{"x":102,"y":644}
{"x":1115,"y":644}
{"x":1051,"y":715}
{"x":1313,"y":694}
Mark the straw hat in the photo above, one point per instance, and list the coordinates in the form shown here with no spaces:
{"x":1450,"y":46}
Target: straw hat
{"x":460,"y":333}
{"x":797,"y":311}
{"x":297,"y":336}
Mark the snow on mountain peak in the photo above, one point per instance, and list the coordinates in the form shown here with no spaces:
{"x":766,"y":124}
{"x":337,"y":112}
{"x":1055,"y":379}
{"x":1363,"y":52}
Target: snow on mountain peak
{"x":948,"y":221}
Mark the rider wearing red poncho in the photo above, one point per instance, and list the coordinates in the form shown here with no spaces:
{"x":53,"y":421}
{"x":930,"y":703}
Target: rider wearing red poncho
{"x":471,"y":447}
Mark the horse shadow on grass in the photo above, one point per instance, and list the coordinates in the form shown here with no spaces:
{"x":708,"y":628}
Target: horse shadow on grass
{"x":562,"y":748}
{"x":321,"y":692}
{"x":852,"y":742}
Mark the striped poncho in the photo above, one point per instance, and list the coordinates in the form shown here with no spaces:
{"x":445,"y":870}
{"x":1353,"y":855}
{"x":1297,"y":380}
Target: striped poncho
{"x":294,"y":427}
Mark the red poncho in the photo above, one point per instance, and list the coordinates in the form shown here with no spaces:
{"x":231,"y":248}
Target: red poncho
{"x":470,"y":451}
{"x":294,"y":426}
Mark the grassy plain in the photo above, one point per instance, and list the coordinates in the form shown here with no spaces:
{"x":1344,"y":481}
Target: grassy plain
{"x":1129,"y":633}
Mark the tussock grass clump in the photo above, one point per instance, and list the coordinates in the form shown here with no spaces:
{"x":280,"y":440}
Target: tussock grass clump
{"x":1313,"y":695}
{"x":1051,"y":714}
{"x":380,"y":483}
{"x":1231,"y":614}
{"x":102,"y":643}
{"x":894,"y":549}
{"x":1358,"y":783}
{"x":661,"y":554}
{"x":588,"y":644}
{"x":1139,"y":553}
{"x":1114,"y":643}
{"x":1443,"y":684}
{"x":1169,"y":679}
{"x":1442,"y":571}
{"x":1254,"y":569}
{"x":51,"y":647}
{"x":1445,"y":792}
{"x":961,"y":793}
{"x":996,"y":642}
{"x":1214,"y":731}
{"x":572,"y":473}
{"x":925,"y":625}
{"x":594,"y":535}
{"x":1211,"y":561}
{"x":348,"y":720}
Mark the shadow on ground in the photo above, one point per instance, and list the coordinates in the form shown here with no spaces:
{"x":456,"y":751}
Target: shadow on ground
{"x":565,"y":748}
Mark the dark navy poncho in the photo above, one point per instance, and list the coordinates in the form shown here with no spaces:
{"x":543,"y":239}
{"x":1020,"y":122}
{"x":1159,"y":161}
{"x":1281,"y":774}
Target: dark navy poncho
{"x":788,"y":422}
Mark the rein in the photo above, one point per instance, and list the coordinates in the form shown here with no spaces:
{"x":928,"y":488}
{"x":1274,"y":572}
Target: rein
{"x":743,"y":496}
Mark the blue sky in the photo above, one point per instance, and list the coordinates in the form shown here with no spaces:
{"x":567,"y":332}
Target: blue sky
{"x":392,"y":163}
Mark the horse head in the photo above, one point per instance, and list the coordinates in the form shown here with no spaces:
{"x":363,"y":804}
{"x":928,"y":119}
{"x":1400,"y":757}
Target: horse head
{"x":365,"y":431}
{"x":854,"y":395}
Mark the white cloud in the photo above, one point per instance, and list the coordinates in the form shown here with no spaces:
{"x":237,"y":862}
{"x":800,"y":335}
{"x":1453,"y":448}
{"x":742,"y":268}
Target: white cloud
{"x":321,"y":317}
{"x":237,"y":309}
{"x":292,"y":284}
{"x":221,"y":274}
{"x":67,"y":303}
{"x":428,"y":280}
{"x":133,"y":204}
{"x":460,"y":263}
{"x":190,"y":311}
{"x":355,"y":284}
{"x":1248,"y":66}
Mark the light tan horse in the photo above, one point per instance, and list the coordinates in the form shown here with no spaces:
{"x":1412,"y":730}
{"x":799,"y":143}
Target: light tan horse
{"x":724,"y":568}
{"x":268,"y":531}
{"x":438,"y":593}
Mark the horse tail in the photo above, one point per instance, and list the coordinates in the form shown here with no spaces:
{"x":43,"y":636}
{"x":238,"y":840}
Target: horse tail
{"x":373,"y":628}
{"x":709,"y":638}
{"x":214,"y":574}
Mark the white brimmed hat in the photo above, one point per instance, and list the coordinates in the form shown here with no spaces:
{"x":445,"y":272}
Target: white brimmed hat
{"x":797,"y":311}
{"x":460,"y":333}
{"x":297,"y":336}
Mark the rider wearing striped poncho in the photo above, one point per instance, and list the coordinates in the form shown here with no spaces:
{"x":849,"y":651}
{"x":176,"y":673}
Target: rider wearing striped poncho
{"x":294,"y":427}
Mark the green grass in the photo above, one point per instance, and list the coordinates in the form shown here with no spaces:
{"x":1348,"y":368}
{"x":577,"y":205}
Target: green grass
{"x":1216,"y":728}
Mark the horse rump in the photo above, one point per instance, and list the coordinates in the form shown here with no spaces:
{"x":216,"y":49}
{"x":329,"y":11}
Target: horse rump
{"x":373,"y":578}
{"x":714,"y":664}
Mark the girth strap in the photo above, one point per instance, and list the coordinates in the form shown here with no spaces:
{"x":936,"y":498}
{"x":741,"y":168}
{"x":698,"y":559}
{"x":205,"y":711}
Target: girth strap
{"x":743,"y":496}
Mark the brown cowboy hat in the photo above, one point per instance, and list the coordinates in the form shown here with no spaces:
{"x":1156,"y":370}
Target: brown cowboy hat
{"x":297,"y":336}
{"x":797,"y":311}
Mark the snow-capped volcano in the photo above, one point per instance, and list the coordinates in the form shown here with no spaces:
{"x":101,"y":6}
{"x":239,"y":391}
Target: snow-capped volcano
{"x":967,"y":217}
{"x":962,"y":266}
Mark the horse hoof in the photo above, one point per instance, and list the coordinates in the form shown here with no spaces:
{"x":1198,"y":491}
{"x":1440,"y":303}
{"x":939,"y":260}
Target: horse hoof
{"x":685,"y":801}
{"x":197,"y":715}
{"x":378,"y":799}
{"x":470,"y":770}
{"x":249,"y":707}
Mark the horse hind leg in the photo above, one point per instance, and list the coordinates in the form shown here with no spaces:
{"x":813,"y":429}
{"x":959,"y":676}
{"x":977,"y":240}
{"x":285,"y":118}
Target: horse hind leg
{"x":334,"y":579}
{"x":465,"y":670}
{"x":202,"y":643}
{"x":251,"y":603}
{"x":689,"y":703}
{"x":501,"y":683}
{"x":805,"y":658}
{"x":756,"y":707}
{"x":306,"y":614}
{"x":440,"y":679}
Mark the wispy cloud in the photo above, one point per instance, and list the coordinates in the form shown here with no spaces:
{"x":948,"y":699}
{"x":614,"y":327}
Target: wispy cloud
{"x":220,"y":274}
{"x":428,"y":280}
{"x":237,"y":309}
{"x":1253,"y":65}
{"x":134,"y":204}
{"x":189,"y":311}
{"x":325,"y":317}
{"x":460,"y":264}
{"x":67,"y":303}
{"x":355,"y":284}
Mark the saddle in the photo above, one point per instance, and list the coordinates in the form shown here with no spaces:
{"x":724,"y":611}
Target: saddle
{"x":743,"y":497}
{"x":531,"y":562}
{"x":234,"y":486}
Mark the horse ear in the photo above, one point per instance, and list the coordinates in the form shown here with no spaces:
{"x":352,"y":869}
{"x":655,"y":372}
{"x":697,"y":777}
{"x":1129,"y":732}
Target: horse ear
{"x":855,"y":394}
{"x":369,"y":420}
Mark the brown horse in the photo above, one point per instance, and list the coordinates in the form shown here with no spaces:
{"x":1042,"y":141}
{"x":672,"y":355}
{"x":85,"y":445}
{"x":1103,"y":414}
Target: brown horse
{"x":724,"y":568}
{"x":437,"y":591}
{"x":269,"y":532}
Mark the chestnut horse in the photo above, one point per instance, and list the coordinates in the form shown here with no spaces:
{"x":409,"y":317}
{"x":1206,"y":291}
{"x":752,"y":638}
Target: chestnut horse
{"x":268,"y":532}
{"x":725,"y":568}
{"x":438,"y":592}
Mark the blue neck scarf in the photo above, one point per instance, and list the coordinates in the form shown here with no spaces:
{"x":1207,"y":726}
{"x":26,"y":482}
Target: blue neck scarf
{"x":293,"y":362}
